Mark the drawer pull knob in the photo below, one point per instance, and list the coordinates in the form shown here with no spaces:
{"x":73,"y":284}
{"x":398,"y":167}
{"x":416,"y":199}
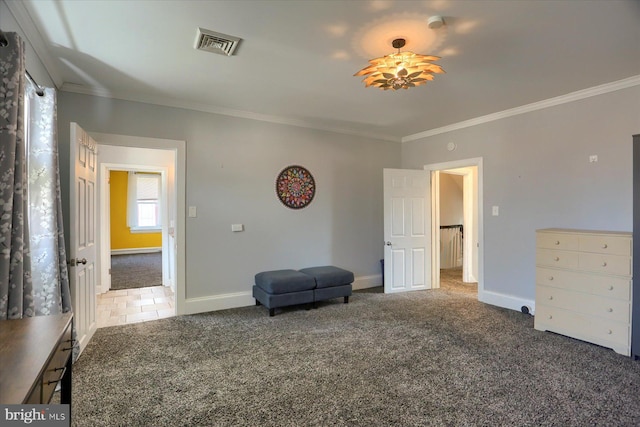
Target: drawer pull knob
{"x":556,"y":258}
{"x":609,"y":332}
{"x":610,"y":287}
{"x":610,"y":310}
{"x":605,"y":246}
{"x":557,"y":242}
{"x":550,"y":317}
{"x":550,"y":278}
{"x":551,"y":297}
{"x":604,"y":264}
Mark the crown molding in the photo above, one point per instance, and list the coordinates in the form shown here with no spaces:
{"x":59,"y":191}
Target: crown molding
{"x":167,"y":102}
{"x":558,"y":100}
{"x":31,"y":32}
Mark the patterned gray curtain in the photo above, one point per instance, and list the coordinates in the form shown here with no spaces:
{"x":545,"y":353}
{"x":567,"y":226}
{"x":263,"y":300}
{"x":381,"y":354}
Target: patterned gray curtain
{"x":16,"y":293}
{"x":48,"y":255}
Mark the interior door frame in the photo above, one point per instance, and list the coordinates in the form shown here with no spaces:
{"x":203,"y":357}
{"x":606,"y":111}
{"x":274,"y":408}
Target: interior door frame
{"x":435,"y":218}
{"x":179,"y":148}
{"x":105,"y":220}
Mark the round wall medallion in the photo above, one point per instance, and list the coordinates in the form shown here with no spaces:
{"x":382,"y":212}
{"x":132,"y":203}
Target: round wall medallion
{"x":451,"y":146}
{"x":295,"y":187}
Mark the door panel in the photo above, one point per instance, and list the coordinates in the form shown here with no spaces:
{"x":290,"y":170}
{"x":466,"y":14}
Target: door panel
{"x":406,"y":230}
{"x":82,"y":251}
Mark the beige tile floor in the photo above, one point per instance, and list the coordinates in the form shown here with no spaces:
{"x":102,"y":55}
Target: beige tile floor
{"x":126,"y":306}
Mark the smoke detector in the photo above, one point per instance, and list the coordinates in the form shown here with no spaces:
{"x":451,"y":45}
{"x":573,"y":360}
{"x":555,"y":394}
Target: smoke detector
{"x":435,"y":22}
{"x":210,"y":41}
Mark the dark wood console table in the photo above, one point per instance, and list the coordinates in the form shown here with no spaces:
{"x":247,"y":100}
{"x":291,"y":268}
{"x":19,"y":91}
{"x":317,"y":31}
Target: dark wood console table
{"x":35,"y":354}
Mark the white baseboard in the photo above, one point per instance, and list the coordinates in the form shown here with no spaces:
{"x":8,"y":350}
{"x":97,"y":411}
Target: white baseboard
{"x":507,"y":301}
{"x":218,"y":302}
{"x":135,"y":251}
{"x":365,"y":282}
{"x":244,"y":299}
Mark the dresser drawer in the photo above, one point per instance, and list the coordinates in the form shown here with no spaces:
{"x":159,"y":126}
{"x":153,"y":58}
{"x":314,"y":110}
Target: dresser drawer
{"x":593,"y":305}
{"x":557,"y":241}
{"x":605,"y":264}
{"x":606,"y":244}
{"x":581,"y":326}
{"x":56,"y":366}
{"x":606,"y":286}
{"x":551,"y":258}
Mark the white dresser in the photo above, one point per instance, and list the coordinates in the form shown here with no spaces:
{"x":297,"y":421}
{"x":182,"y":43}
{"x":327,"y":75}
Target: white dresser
{"x":583,"y":286}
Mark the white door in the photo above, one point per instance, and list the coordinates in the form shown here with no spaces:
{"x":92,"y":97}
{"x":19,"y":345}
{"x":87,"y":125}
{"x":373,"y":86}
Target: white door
{"x":407,"y":233}
{"x":82,"y":253}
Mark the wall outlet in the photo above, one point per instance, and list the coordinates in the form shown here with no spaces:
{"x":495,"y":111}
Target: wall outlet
{"x":193,"y":212}
{"x":237,"y":227}
{"x":593,"y":158}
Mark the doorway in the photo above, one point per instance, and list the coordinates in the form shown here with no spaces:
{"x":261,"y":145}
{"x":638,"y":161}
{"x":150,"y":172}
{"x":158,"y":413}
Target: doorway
{"x":464,"y":260}
{"x":164,"y":158}
{"x":137,"y":284}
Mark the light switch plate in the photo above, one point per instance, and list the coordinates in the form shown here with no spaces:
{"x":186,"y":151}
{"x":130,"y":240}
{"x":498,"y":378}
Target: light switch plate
{"x":495,"y":211}
{"x":237,"y":227}
{"x":193,"y":212}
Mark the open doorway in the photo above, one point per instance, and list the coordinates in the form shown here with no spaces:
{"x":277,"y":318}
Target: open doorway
{"x":137,"y":235}
{"x":453,"y":223}
{"x":456,"y":225}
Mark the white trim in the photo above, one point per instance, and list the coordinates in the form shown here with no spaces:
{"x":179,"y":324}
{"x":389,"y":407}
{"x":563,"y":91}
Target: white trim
{"x":127,"y":96}
{"x":134,"y":251}
{"x":145,"y":230}
{"x":245,"y":299}
{"x":218,"y":302}
{"x":105,"y":221}
{"x":551,"y":102}
{"x":435,"y":228}
{"x":508,"y":301}
{"x":366,"y":282}
{"x":456,"y":164}
{"x":179,"y":147}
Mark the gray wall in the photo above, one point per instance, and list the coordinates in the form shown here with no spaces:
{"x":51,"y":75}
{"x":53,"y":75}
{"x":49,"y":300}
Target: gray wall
{"x":451,"y":203}
{"x":537,"y":170}
{"x":231,"y":168}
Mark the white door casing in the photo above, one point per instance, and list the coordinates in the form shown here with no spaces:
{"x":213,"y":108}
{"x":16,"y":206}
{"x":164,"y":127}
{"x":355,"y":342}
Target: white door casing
{"x":82,"y":233}
{"x":407,"y":233}
{"x":473,"y":237}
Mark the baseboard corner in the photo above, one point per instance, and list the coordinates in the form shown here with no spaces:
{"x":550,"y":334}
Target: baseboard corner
{"x":510,"y":302}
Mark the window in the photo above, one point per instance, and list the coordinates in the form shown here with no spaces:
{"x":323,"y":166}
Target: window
{"x":144,"y":201}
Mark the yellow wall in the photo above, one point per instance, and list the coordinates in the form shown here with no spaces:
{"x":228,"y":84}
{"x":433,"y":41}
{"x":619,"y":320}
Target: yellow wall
{"x":121,"y":237}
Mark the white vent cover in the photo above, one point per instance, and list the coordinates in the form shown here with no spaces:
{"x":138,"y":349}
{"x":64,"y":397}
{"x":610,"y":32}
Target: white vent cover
{"x":210,"y":41}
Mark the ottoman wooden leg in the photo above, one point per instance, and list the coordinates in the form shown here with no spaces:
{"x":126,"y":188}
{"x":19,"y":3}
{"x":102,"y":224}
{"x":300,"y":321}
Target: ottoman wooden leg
{"x":346,"y":300}
{"x":272,"y":312}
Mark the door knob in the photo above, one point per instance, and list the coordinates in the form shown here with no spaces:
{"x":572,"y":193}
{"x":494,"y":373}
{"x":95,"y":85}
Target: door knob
{"x":74,"y":262}
{"x":387,"y":243}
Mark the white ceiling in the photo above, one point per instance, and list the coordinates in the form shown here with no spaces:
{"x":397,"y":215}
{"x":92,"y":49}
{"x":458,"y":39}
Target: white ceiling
{"x":296,"y":61}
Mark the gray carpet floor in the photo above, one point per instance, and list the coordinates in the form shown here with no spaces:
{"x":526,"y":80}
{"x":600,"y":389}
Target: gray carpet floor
{"x":430,"y":358}
{"x":136,"y":271}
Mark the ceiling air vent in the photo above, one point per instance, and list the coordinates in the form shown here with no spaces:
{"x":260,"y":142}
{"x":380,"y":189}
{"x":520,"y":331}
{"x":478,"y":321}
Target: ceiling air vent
{"x":210,"y":41}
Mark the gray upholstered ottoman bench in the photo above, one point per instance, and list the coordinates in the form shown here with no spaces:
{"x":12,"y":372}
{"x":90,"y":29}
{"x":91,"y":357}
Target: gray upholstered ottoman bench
{"x":281,"y":288}
{"x":331,"y":282}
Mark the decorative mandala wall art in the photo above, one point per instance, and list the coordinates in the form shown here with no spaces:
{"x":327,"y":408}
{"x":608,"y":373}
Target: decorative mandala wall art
{"x":295,"y":187}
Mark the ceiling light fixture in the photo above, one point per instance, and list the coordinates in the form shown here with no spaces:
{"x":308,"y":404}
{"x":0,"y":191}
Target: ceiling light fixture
{"x":400,"y":70}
